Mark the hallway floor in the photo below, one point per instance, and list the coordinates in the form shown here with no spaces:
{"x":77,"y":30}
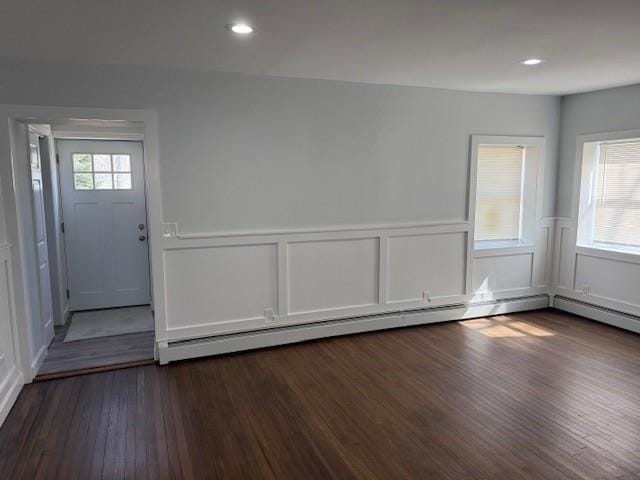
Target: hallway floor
{"x":96,"y":354}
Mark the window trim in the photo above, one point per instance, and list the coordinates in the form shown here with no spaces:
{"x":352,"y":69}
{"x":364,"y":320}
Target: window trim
{"x":586,"y":165}
{"x":532,"y":192}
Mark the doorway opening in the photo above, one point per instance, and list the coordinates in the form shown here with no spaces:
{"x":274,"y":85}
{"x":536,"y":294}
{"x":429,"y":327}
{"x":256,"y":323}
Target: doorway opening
{"x":90,"y":234}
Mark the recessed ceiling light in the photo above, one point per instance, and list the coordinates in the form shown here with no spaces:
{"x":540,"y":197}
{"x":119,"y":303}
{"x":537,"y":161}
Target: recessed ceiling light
{"x":532,"y":61}
{"x":241,"y":28}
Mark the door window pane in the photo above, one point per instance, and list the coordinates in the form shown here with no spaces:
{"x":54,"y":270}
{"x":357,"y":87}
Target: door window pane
{"x":102,"y":163}
{"x":121,"y":163}
{"x":83,"y":181}
{"x":104,"y":171}
{"x":103,"y":181}
{"x":122,"y":181}
{"x":81,"y":162}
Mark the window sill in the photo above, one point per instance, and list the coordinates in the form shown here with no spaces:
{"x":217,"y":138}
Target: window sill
{"x":489,"y":244}
{"x":622,"y":254}
{"x":501,"y":247}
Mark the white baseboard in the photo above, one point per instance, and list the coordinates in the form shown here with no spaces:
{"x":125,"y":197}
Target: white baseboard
{"x":9,"y":391}
{"x":169,"y":352}
{"x":37,"y":363}
{"x":595,"y":312}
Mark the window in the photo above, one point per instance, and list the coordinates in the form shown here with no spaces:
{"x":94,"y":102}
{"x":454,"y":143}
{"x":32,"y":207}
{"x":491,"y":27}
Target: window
{"x":499,"y":192}
{"x":610,"y":196}
{"x":101,"y":171}
{"x":506,"y":189}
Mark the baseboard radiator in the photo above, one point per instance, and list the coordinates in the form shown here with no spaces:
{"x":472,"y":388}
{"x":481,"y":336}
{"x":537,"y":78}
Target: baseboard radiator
{"x":221,"y":344}
{"x":598,"y":313}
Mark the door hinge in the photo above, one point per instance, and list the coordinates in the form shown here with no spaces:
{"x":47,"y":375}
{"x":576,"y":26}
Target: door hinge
{"x":57,"y":158}
{"x":67,"y":293}
{"x":62,"y":227}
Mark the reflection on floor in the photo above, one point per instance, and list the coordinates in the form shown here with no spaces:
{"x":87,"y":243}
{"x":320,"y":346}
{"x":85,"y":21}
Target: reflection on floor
{"x":95,"y":354}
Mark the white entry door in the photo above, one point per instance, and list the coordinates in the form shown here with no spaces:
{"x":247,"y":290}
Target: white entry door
{"x":40,"y":235}
{"x":104,"y":209}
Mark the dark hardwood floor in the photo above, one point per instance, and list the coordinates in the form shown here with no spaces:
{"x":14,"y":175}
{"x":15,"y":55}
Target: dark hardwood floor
{"x":87,"y":356}
{"x":539,"y":395}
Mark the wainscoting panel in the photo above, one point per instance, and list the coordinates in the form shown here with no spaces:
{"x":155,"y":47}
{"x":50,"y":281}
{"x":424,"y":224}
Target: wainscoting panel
{"x":11,"y":380}
{"x":609,"y":279}
{"x":333,"y":274}
{"x":564,"y":255}
{"x":224,"y":284}
{"x":543,"y":256}
{"x":433,"y":264}
{"x":502,"y":273}
{"x":590,"y":276}
{"x":218,"y":284}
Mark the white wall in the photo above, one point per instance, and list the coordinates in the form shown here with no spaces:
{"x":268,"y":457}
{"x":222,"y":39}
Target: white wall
{"x":271,"y":153}
{"x":612,"y":110}
{"x":302,"y":200}
{"x":604,"y":279}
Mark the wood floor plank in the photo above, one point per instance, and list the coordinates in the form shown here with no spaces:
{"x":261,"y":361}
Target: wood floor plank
{"x":537,"y":395}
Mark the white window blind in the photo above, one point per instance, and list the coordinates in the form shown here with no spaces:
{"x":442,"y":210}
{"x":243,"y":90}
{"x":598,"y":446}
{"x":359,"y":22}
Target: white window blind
{"x":617,"y":206}
{"x":499,"y":192}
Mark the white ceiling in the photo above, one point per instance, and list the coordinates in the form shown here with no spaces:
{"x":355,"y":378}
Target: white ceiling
{"x":457,"y":44}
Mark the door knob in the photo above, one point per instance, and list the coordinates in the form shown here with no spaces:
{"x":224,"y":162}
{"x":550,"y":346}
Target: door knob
{"x":141,"y":226}
{"x":142,"y":238}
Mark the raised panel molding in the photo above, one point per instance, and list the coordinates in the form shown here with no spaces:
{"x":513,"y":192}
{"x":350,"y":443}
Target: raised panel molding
{"x":514,"y":271}
{"x":563,"y":254}
{"x":332,"y":274}
{"x":507,"y":272}
{"x":608,"y":282}
{"x":543,"y":255}
{"x":207,"y":286}
{"x":428,"y":265}
{"x":223,"y":284}
{"x":594,"y":277}
{"x":11,"y":378}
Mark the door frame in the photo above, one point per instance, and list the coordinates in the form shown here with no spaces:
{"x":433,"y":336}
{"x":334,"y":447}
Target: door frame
{"x":80,"y":136}
{"x":17,"y":212}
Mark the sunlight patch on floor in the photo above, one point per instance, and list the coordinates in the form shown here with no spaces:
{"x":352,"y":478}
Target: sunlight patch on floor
{"x":499,"y":327}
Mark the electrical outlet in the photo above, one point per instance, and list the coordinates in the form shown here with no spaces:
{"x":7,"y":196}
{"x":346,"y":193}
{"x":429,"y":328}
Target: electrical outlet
{"x":169,"y":229}
{"x":269,"y":316}
{"x":426,"y":296}
{"x":585,"y":289}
